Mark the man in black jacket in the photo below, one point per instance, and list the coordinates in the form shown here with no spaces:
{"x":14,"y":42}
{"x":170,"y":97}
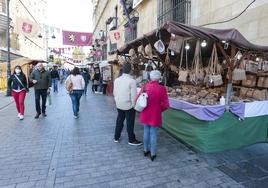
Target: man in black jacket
{"x":55,"y":77}
{"x":42,"y":83}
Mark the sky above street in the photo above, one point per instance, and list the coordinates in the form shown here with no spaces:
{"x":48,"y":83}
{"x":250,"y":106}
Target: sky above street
{"x":75,"y":15}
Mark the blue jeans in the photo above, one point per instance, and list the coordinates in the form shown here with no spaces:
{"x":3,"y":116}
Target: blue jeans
{"x":55,"y":84}
{"x":85,"y":90}
{"x":150,"y":136}
{"x":75,"y":97}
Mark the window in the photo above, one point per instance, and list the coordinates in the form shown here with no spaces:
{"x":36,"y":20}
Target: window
{"x":113,"y":47}
{"x":173,"y":10}
{"x":131,"y":31}
{"x":104,"y":52}
{"x":3,"y":6}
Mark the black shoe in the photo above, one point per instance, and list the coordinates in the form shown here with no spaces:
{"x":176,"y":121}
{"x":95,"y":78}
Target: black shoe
{"x":36,"y":116}
{"x":153,"y":157}
{"x":146,"y":153}
{"x":44,"y":114}
{"x":135,"y":143}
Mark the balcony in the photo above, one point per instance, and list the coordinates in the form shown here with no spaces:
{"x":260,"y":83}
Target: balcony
{"x":3,"y":22}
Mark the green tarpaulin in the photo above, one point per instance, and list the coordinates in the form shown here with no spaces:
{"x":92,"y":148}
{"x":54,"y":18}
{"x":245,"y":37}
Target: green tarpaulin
{"x":227,"y":132}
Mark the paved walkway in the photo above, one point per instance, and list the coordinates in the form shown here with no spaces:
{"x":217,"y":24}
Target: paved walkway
{"x":60,"y":151}
{"x":4,"y":101}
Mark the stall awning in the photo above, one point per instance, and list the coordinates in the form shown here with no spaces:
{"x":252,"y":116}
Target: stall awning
{"x":232,"y":36}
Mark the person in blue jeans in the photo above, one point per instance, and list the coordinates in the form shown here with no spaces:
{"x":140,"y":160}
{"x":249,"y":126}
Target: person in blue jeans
{"x":86,"y":77}
{"x":55,"y":78}
{"x":78,"y":86}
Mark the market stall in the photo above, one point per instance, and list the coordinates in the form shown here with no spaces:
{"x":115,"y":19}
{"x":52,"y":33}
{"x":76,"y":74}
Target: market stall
{"x":26,"y":65}
{"x":217,"y":82}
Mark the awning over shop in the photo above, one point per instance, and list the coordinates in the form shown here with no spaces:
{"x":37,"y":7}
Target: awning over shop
{"x":232,"y":36}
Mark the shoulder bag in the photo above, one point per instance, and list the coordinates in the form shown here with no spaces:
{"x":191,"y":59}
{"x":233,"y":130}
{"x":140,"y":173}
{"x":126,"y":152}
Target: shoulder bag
{"x":69,"y":85}
{"x":27,"y":90}
{"x":183,"y":74}
{"x":141,"y":102}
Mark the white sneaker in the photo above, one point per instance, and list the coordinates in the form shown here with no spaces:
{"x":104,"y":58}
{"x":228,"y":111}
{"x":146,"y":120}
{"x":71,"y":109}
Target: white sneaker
{"x":21,"y":117}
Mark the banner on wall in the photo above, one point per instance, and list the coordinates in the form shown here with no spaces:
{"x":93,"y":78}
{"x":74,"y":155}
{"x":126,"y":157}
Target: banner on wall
{"x":77,"y":38}
{"x":115,"y":36}
{"x":26,"y":27}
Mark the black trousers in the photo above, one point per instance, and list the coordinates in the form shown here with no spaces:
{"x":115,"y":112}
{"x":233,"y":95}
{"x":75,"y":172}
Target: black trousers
{"x":129,"y":115}
{"x":104,"y":87}
{"x":40,"y":93}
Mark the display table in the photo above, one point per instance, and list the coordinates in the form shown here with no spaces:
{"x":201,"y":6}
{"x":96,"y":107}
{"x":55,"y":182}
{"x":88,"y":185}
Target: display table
{"x":226,"y":132}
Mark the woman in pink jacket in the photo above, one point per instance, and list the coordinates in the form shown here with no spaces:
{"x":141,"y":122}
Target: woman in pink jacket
{"x":151,"y":116}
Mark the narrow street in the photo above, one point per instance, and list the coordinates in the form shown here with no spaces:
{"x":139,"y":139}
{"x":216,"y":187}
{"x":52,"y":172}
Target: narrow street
{"x":60,"y":151}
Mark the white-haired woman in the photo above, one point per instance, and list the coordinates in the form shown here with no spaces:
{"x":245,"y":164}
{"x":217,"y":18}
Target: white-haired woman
{"x":151,"y":116}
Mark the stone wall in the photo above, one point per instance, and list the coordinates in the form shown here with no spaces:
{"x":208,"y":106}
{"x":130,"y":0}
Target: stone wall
{"x":253,"y":24}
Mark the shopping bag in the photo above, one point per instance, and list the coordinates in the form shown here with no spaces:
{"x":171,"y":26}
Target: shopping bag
{"x":69,"y":85}
{"x":49,"y":99}
{"x":141,"y":102}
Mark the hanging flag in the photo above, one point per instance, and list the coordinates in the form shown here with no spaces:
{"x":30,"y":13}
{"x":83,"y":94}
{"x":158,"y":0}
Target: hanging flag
{"x":123,"y":2}
{"x":77,"y":38}
{"x":26,"y":27}
{"x":115,"y":36}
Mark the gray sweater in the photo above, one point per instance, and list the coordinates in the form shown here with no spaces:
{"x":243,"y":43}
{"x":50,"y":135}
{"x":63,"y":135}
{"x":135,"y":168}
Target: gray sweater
{"x":43,"y":79}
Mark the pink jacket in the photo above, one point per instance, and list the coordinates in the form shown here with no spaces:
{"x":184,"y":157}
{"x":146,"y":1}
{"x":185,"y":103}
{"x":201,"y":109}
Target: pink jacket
{"x":157,"y":103}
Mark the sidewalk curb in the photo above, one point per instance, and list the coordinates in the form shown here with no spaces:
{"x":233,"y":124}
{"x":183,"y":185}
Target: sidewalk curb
{"x":5,"y":106}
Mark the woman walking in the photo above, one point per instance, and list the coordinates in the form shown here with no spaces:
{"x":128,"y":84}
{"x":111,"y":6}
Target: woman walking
{"x":151,"y":116}
{"x":78,"y":86}
{"x":18,"y":84}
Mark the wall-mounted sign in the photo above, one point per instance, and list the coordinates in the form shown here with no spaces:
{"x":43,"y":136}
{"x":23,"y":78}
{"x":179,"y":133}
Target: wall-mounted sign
{"x":136,"y":3}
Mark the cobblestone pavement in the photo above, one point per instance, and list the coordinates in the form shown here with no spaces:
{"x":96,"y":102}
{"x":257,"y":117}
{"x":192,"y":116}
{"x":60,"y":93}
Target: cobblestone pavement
{"x":60,"y":151}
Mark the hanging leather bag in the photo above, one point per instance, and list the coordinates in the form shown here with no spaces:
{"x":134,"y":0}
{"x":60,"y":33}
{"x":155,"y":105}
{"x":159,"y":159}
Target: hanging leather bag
{"x":175,"y":44}
{"x":183,"y":73}
{"x":197,"y":74}
{"x":214,"y":77}
{"x":239,"y":73}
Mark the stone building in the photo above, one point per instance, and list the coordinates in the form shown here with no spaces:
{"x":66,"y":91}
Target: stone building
{"x":22,"y":46}
{"x":148,"y":15}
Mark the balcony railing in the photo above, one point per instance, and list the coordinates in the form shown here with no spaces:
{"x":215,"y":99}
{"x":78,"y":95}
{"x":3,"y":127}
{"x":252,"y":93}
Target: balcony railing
{"x":174,"y":10}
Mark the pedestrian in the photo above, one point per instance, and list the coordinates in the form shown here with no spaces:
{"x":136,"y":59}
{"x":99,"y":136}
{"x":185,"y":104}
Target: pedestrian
{"x":86,"y":79}
{"x":151,"y":116}
{"x":78,"y":86}
{"x":18,"y":84}
{"x":42,"y":84}
{"x":96,"y":80}
{"x":125,"y":90}
{"x":55,"y":77}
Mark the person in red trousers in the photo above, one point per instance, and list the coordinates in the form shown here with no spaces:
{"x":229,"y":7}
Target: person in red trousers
{"x":18,"y":84}
{"x":151,"y":116}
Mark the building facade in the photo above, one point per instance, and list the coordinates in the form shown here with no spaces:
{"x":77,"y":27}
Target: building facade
{"x":253,"y":23}
{"x":23,"y":46}
{"x":148,"y":15}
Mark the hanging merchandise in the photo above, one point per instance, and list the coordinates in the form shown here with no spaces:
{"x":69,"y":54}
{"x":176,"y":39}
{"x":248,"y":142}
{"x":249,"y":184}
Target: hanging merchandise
{"x":251,"y":66}
{"x":250,"y":81}
{"x":141,"y":50}
{"x":214,"y":69}
{"x":183,"y":73}
{"x":197,"y":74}
{"x":175,"y":43}
{"x":159,"y":46}
{"x":239,"y":73}
{"x":149,"y":51}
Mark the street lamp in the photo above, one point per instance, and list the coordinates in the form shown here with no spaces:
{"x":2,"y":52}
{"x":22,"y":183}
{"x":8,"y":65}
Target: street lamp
{"x":53,"y":37}
{"x":8,"y":49}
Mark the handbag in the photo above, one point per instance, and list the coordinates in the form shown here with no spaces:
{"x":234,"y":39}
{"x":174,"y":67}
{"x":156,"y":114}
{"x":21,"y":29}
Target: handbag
{"x":197,"y":74}
{"x":49,"y":99}
{"x":69,"y":85}
{"x":251,"y":66}
{"x":175,"y":44}
{"x":259,"y":94}
{"x":183,"y":74}
{"x":27,"y":89}
{"x":250,"y":81}
{"x":240,"y":72}
{"x":141,"y":102}
{"x":214,"y":69}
